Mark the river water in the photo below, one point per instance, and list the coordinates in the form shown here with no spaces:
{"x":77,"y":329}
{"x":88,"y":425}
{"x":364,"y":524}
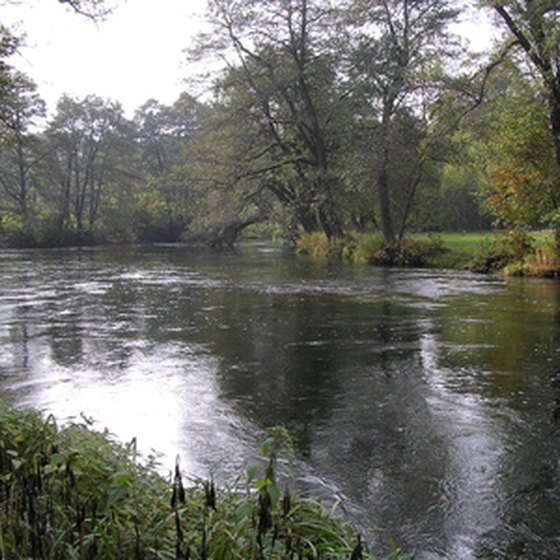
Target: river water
{"x":426,"y":402}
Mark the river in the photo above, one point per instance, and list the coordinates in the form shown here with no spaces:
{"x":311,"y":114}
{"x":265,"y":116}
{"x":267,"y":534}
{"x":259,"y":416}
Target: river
{"x":425,"y":402}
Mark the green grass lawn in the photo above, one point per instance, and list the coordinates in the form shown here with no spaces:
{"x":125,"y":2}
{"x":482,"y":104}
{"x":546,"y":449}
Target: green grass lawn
{"x":463,"y":247}
{"x":468,"y":243}
{"x":473,"y":241}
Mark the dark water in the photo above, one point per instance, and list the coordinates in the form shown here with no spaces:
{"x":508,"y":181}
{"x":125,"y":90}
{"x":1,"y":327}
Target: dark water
{"x":427,"y":402}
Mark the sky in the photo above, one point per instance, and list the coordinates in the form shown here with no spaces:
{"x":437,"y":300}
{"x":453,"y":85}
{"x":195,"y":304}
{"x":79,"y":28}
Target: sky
{"x":136,"y":54}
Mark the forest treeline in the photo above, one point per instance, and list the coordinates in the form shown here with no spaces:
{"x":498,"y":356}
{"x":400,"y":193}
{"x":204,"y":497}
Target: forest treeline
{"x":313,"y":115}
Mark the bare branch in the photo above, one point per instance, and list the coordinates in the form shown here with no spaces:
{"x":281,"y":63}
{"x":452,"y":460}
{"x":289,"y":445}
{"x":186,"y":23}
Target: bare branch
{"x":92,"y":9}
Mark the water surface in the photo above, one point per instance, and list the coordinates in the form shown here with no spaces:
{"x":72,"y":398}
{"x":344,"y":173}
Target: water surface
{"x":427,"y":402}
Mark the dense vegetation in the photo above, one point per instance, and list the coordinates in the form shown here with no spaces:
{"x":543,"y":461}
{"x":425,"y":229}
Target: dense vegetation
{"x":332,"y":117}
{"x":73,"y":492}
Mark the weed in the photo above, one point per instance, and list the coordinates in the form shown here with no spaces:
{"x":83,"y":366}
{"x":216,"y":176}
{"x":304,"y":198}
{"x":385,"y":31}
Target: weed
{"x":75,"y":493}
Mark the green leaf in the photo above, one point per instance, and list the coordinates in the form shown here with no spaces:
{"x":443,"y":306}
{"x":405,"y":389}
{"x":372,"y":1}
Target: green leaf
{"x":116,"y":496}
{"x":274,"y":494}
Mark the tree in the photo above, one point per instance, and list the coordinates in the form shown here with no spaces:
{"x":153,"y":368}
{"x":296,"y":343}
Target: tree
{"x":8,"y":46}
{"x":510,"y":145}
{"x":83,"y":138}
{"x":396,"y":62}
{"x":535,"y":28}
{"x":165,"y":135}
{"x":94,"y":9}
{"x":225,"y":198}
{"x":19,"y":154}
{"x":281,"y":79}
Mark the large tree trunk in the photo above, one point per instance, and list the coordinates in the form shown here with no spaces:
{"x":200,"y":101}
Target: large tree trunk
{"x":383,"y":198}
{"x":329,"y":221}
{"x":554,"y":106}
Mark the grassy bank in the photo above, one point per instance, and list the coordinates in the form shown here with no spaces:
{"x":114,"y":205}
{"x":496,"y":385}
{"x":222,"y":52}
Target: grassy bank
{"x":515,"y":253}
{"x":74,"y":493}
{"x":422,"y":250}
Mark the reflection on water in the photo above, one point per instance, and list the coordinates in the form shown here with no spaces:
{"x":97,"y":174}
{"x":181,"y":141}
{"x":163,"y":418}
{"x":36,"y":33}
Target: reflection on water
{"x":166,"y":396}
{"x":427,"y":401}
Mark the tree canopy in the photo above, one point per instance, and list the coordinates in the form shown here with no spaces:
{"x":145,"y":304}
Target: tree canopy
{"x":322,"y":116}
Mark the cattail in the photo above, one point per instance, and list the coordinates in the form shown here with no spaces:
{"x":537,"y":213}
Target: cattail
{"x":286,"y":503}
{"x":357,"y":553}
{"x":69,"y":474}
{"x":178,"y":495}
{"x":265,"y":513}
{"x":210,"y":494}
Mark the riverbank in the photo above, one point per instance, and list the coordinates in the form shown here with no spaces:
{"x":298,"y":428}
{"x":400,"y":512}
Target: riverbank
{"x":514,"y":253}
{"x":74,"y":492}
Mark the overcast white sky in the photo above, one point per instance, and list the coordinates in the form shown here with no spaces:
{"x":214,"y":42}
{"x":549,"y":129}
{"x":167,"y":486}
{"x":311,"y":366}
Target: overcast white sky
{"x":135,"y":55}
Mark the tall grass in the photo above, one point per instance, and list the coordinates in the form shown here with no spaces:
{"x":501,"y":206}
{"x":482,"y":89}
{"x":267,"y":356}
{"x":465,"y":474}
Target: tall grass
{"x":74,"y":493}
{"x":317,"y":246}
{"x":361,"y":248}
{"x":542,"y":262}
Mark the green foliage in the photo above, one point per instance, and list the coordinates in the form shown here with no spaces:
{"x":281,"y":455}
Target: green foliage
{"x":51,"y":230}
{"x":14,"y":232}
{"x":46,"y":229}
{"x":408,"y":253}
{"x":521,"y":172}
{"x":454,"y":205}
{"x":316,"y":123}
{"x":515,"y":252}
{"x":74,"y":492}
{"x":8,"y":46}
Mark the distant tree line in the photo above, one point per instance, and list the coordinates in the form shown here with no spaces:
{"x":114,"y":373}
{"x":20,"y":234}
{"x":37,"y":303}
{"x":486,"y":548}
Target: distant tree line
{"x":318,"y":116}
